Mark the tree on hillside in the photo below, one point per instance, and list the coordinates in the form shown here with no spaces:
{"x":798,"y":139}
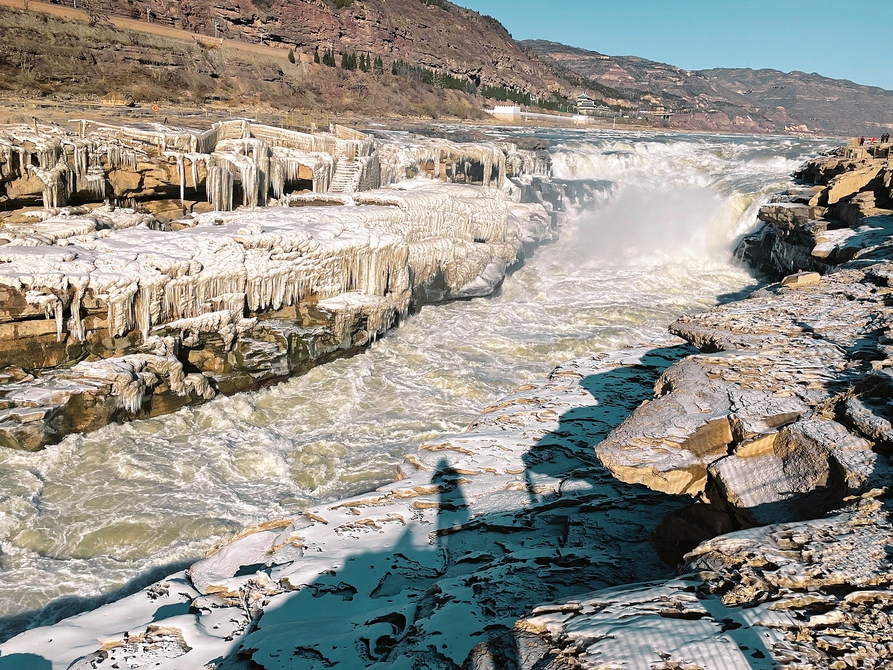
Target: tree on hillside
{"x":316,"y":54}
{"x":348,"y":61}
{"x":291,"y":56}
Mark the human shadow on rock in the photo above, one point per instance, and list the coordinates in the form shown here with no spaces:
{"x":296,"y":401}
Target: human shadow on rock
{"x":438,"y":586}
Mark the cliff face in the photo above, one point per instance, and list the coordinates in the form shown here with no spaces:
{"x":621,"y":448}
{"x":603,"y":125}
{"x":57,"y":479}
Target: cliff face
{"x":81,"y":346}
{"x":441,"y":36}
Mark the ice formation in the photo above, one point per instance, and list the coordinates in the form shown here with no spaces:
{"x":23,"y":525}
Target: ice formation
{"x":111,"y":280}
{"x":272,"y":257}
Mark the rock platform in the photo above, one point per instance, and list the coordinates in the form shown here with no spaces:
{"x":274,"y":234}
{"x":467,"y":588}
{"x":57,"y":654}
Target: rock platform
{"x":109,"y":313}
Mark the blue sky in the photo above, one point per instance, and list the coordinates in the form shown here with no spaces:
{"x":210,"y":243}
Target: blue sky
{"x":846,"y":40}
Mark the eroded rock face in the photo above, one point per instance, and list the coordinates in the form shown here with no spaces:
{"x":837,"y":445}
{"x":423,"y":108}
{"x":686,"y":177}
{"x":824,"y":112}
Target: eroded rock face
{"x":789,"y":596}
{"x":843,"y":216}
{"x":786,"y":360}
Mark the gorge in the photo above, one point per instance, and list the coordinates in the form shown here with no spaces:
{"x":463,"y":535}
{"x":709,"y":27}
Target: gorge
{"x":482,"y":527}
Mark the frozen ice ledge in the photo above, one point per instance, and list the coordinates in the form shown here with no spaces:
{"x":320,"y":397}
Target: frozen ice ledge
{"x":108,"y":314}
{"x":523,"y":542}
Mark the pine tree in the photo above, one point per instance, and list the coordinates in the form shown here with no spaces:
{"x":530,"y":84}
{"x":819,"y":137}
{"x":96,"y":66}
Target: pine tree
{"x":379,"y":66}
{"x":291,"y":56}
{"x":316,"y":54}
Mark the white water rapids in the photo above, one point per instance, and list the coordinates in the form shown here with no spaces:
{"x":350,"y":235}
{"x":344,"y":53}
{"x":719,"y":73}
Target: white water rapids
{"x":82,"y":518}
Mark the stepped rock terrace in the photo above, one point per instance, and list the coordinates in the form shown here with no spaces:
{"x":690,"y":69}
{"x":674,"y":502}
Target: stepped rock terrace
{"x":107,"y":313}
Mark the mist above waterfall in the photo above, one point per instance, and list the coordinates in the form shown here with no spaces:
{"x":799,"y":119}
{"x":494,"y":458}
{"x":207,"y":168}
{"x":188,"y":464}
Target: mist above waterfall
{"x":642,"y":223}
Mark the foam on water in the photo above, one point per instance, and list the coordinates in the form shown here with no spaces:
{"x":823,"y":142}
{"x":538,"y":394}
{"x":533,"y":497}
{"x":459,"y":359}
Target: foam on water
{"x":83,"y":517}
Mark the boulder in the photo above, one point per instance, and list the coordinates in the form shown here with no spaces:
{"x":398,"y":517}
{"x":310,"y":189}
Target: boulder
{"x":797,"y":473}
{"x":801,"y":279}
{"x":851,"y":182}
{"x":668,"y":443}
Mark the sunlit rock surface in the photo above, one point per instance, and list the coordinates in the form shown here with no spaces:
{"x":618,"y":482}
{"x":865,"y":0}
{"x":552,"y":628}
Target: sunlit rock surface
{"x":754,"y":422}
{"x":843,"y":210}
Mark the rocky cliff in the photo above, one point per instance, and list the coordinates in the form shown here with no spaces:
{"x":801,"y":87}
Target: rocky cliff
{"x":740,"y":100}
{"x":84,"y":54}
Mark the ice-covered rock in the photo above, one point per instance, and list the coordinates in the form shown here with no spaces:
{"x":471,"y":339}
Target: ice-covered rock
{"x":479,"y":528}
{"x":89,"y":286}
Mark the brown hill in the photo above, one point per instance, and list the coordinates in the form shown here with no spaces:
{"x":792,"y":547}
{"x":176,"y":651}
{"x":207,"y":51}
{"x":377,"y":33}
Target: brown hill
{"x":731,"y":99}
{"x":449,"y":54}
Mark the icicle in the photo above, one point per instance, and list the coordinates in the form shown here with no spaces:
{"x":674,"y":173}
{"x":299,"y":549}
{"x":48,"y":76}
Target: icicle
{"x":181,"y":173}
{"x":193,"y":161}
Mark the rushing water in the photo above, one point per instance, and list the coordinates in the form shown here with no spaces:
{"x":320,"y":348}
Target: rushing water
{"x":83,"y":517}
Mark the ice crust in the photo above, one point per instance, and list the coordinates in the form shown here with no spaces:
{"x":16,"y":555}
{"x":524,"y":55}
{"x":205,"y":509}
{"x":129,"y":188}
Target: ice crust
{"x":479,"y":528}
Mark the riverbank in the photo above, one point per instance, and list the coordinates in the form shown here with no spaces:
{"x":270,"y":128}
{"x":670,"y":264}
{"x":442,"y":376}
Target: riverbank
{"x":782,"y":419}
{"x":547,"y":459}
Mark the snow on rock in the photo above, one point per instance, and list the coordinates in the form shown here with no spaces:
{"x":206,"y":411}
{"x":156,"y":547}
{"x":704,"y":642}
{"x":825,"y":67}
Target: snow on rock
{"x":752,"y":424}
{"x":804,"y":595}
{"x":88,"y":285}
{"x":479,"y":528}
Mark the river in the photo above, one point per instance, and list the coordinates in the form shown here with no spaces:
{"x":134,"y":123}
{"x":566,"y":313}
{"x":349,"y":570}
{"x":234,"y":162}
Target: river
{"x":653,"y":241}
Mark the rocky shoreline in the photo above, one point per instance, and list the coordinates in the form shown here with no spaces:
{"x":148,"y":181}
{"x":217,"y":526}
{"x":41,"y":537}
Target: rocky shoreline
{"x":783,"y":417}
{"x":109,"y":314}
{"x":778,"y":416}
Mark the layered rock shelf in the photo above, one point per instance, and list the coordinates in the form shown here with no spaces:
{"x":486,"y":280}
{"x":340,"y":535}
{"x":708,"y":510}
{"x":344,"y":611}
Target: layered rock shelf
{"x":783,"y":417}
{"x":840,"y":211}
{"x":760,"y":463}
{"x":110,"y":313}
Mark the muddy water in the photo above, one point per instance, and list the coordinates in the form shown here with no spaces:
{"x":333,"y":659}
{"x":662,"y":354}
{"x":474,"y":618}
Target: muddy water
{"x":652,"y":241}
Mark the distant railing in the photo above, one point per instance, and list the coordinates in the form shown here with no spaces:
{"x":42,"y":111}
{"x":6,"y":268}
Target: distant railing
{"x":867,"y":149}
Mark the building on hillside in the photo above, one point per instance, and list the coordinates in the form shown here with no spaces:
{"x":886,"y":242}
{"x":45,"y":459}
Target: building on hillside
{"x":585,"y":105}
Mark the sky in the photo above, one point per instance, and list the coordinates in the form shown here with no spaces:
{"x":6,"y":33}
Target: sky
{"x":843,"y":40}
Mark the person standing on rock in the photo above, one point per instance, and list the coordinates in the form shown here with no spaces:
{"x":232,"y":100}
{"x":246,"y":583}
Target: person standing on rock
{"x":861,"y":141}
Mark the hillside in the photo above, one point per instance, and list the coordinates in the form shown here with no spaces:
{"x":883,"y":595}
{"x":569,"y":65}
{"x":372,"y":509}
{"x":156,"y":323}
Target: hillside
{"x":433,"y":59}
{"x":731,"y":99}
{"x":449,"y":55}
